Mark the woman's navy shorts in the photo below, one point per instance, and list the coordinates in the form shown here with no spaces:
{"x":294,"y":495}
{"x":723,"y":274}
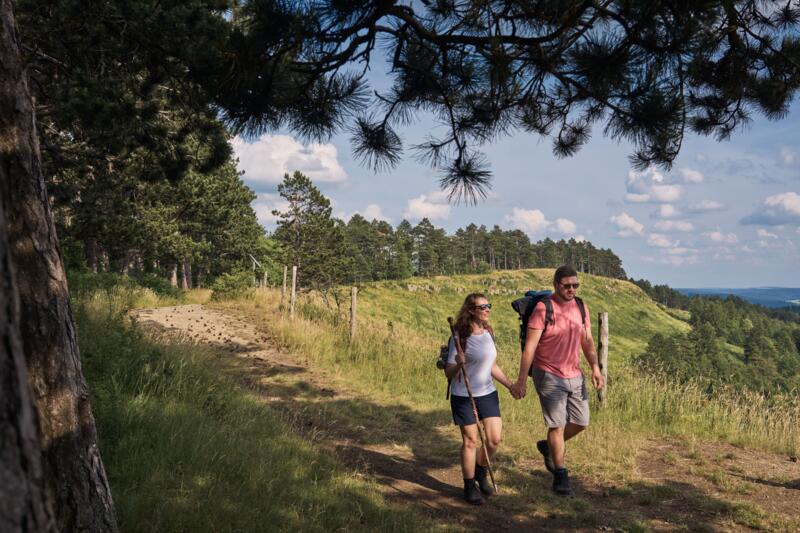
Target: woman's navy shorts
{"x":488,"y":406}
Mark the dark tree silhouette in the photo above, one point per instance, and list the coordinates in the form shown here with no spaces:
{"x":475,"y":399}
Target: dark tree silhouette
{"x":647,"y":71}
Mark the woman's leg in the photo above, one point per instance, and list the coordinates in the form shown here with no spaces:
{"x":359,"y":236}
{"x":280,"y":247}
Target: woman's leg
{"x":469,"y":443}
{"x":493,"y":428}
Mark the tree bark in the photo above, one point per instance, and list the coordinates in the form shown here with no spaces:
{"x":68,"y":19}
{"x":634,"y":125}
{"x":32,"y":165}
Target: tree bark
{"x":91,"y":254}
{"x":72,"y":467}
{"x":186,"y":278}
{"x":25,"y":503}
{"x":173,"y":274}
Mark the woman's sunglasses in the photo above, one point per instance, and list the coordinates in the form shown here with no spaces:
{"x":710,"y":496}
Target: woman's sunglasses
{"x":483,"y":307}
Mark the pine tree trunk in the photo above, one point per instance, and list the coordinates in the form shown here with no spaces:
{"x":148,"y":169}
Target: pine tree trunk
{"x":186,"y":277}
{"x":173,"y":274}
{"x":72,"y":467}
{"x":91,"y":254}
{"x":25,"y":503}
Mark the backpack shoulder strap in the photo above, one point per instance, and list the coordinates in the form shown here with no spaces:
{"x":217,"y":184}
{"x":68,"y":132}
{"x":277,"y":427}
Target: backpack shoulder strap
{"x":582,"y":308}
{"x":548,"y":312}
{"x":491,"y":331}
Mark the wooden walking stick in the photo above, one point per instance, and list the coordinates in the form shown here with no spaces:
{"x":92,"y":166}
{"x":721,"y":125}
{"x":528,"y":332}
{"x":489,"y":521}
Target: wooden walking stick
{"x":460,"y":351}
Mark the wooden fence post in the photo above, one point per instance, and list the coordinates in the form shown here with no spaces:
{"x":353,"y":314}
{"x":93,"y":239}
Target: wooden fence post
{"x":353,"y":296}
{"x":283,"y":291}
{"x":294,"y":292}
{"x":602,"y":352}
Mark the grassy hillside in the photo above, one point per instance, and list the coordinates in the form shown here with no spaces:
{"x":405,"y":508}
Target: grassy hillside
{"x":424,"y":304}
{"x":402,"y":324}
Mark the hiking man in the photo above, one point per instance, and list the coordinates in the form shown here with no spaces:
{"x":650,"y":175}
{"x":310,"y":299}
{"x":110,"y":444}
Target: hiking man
{"x":553,"y":351}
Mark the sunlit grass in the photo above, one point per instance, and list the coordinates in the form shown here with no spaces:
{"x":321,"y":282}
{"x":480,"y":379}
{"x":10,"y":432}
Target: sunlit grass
{"x":401,"y":325}
{"x":186,"y":450}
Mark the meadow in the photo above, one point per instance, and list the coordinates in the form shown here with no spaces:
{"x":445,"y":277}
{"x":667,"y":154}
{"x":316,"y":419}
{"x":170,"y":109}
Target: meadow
{"x":401,"y":325}
{"x":188,"y":448}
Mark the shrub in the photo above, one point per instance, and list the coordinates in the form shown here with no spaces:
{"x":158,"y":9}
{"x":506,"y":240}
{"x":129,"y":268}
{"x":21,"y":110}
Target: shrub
{"x":232,"y":285}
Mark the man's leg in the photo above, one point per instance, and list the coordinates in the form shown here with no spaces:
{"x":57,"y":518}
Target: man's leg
{"x":556,"y":438}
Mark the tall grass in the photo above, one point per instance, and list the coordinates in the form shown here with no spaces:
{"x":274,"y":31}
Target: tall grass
{"x":186,"y":450}
{"x":399,"y":333}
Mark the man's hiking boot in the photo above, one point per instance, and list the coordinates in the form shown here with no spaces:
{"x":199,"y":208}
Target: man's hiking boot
{"x":561,"y":482}
{"x":544,"y":449}
{"x":484,"y":483}
{"x":472,"y":493}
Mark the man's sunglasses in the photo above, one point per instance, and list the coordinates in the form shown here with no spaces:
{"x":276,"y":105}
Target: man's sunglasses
{"x":483,"y":307}
{"x":570,"y":285}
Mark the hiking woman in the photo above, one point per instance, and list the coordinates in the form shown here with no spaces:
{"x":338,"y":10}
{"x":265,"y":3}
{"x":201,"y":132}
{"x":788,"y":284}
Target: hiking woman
{"x":480,"y":362}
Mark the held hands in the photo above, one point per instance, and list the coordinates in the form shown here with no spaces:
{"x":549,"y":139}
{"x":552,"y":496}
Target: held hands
{"x":519,"y":389}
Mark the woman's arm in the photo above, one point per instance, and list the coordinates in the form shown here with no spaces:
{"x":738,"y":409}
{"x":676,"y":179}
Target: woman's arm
{"x":499,"y":375}
{"x":452,"y":369}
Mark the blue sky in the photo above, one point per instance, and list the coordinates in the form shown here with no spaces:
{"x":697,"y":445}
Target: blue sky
{"x":727,"y":215}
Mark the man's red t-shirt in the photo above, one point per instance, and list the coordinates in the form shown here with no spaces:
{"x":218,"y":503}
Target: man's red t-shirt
{"x":558,"y":351}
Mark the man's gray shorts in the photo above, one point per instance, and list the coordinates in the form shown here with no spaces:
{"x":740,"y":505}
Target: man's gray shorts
{"x":563,"y":400}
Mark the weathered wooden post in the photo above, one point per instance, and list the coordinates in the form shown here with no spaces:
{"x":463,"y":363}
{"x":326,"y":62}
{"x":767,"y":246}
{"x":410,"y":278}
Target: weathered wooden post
{"x":353,"y":296}
{"x":602,"y":352}
{"x":283,"y":291}
{"x":294,"y":292}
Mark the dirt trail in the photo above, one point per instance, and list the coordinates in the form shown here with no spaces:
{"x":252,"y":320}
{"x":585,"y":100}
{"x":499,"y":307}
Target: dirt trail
{"x":710,"y":487}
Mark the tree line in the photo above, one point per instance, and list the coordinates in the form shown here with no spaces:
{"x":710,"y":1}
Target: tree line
{"x":329,"y":251}
{"x":768,"y":359}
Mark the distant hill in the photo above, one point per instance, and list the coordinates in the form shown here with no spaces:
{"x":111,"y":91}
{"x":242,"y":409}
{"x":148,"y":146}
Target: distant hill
{"x":766,"y":296}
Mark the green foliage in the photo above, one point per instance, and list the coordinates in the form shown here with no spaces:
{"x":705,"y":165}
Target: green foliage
{"x":231,"y":285}
{"x":313,"y":241}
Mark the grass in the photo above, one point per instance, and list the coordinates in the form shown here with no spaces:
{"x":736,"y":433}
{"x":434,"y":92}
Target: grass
{"x":186,"y":450}
{"x":402,"y":323}
{"x":183,"y":446}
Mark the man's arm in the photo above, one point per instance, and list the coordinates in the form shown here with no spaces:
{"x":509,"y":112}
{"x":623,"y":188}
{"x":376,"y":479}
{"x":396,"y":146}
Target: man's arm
{"x":590,"y":353}
{"x":519,"y":389}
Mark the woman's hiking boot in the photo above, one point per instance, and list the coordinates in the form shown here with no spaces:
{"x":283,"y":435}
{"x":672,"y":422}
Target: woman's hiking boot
{"x":472,"y":493}
{"x":561,"y":482}
{"x":484,"y":483}
{"x":544,"y":449}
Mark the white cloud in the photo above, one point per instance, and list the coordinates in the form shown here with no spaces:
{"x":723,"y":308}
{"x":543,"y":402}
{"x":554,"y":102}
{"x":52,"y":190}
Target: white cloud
{"x":264,"y":204}
{"x":566,"y":226}
{"x":637,"y":198}
{"x":374,"y":212}
{"x":627,"y":225}
{"x":432,"y":206}
{"x":705,"y":206}
{"x":765,"y":234}
{"x":718,"y":236}
{"x":783,"y":208}
{"x":265,"y":161}
{"x":528,"y":220}
{"x":660,"y":241}
{"x":788,"y":157}
{"x":667,"y":211}
{"x":679,"y":250}
{"x":674,"y":225}
{"x":690,"y":175}
{"x":650,"y":186}
{"x":678,"y":260}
